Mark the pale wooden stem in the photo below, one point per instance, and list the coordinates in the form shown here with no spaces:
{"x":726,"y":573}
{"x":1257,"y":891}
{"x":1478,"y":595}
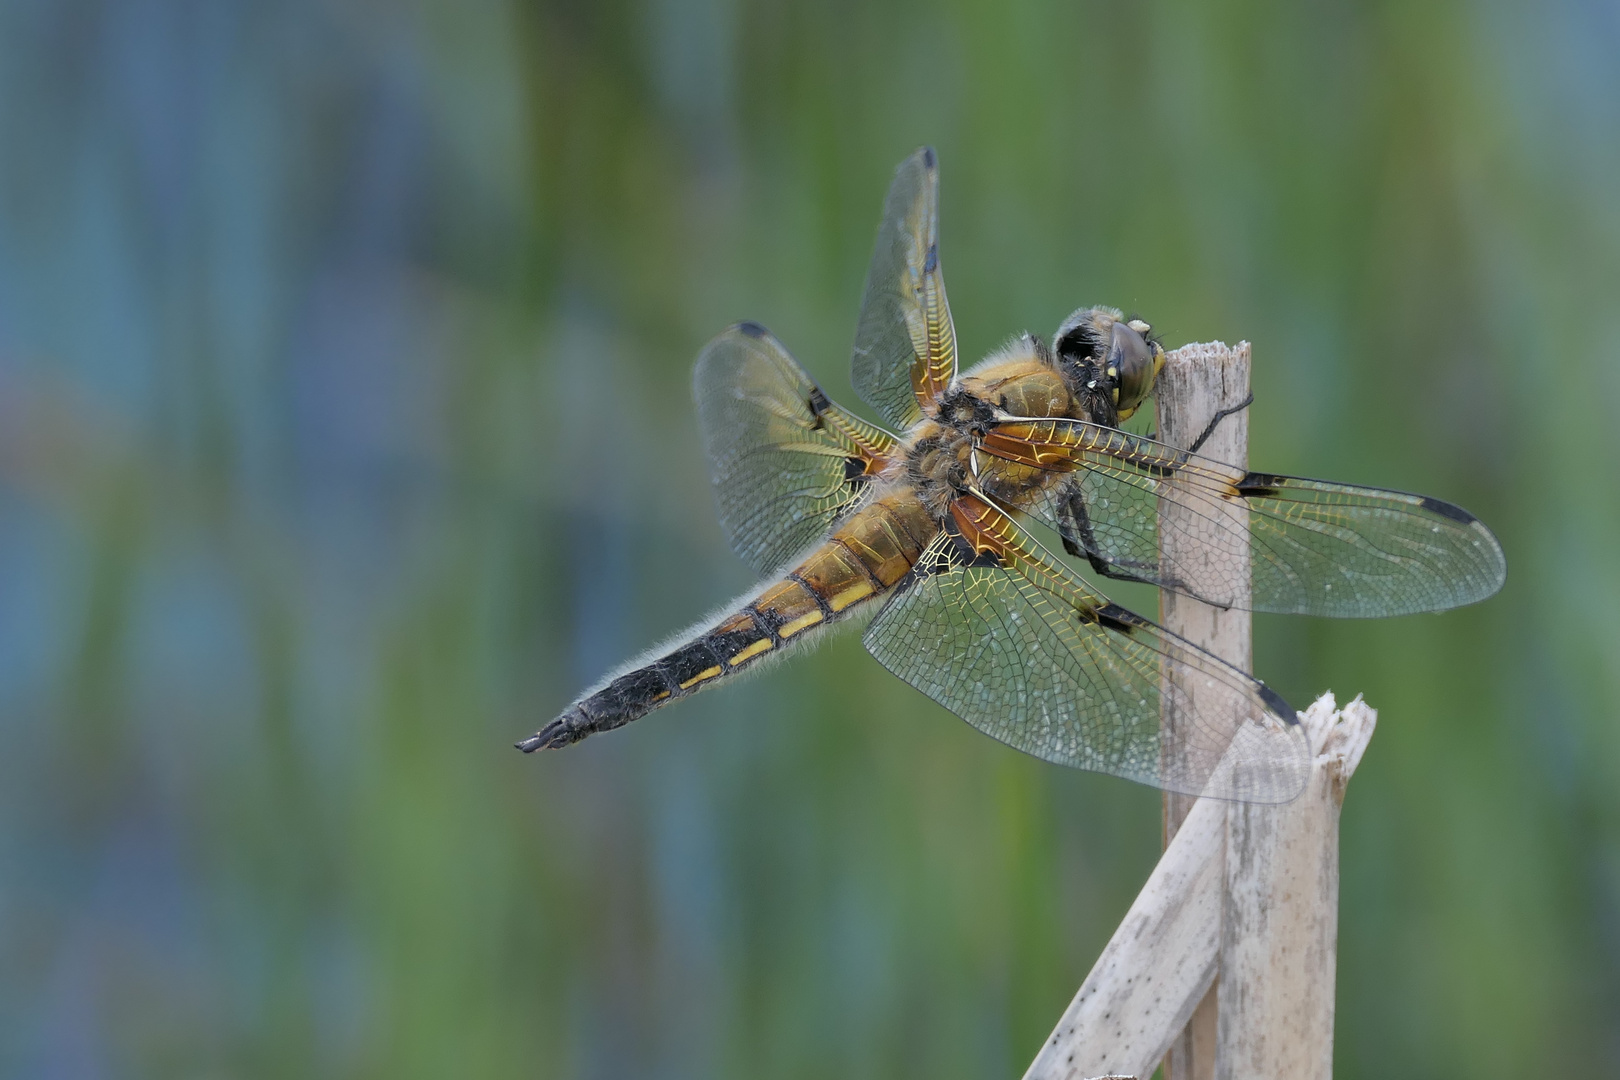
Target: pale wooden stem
{"x":1197,"y":382}
{"x":1279,"y":944}
{"x":1156,"y":967}
{"x":1276,"y":1021}
{"x":1244,"y":896}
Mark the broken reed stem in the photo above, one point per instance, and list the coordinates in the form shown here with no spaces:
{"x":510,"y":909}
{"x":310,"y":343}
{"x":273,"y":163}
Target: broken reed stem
{"x":1267,"y":921}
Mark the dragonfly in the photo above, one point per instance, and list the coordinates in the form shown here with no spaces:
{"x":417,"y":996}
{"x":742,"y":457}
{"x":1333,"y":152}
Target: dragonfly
{"x":924,"y":536}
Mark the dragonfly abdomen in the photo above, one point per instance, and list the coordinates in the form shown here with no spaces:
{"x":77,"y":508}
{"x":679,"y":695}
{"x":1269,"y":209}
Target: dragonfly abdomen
{"x":859,"y":562}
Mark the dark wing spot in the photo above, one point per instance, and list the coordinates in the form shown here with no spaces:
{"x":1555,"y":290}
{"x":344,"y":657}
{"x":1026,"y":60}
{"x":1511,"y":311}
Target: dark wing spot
{"x":818,"y":402}
{"x":752,"y":329}
{"x":854,"y":469}
{"x":984,"y":558}
{"x":931,"y":261}
{"x":928,"y":156}
{"x":1259,"y":485}
{"x":961,"y":554}
{"x":1121,"y":620}
{"x":1448,"y":510}
{"x":1274,"y":701}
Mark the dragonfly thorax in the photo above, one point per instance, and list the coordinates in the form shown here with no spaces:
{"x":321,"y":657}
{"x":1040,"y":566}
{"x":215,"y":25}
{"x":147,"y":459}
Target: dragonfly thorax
{"x":943,"y":459}
{"x":965,"y":411}
{"x":939,"y":465}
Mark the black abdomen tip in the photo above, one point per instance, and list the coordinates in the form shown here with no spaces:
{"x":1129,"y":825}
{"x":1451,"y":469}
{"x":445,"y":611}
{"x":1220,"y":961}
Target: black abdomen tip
{"x":556,"y":734}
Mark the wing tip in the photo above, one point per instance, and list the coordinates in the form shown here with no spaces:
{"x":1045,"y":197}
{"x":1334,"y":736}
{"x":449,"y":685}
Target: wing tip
{"x":1267,"y":764}
{"x":1447,"y":510}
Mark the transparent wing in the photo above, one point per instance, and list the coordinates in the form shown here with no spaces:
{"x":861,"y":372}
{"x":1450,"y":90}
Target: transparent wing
{"x":1144,"y":510}
{"x":1022,"y":650}
{"x":905,"y":343}
{"x":785,"y":461}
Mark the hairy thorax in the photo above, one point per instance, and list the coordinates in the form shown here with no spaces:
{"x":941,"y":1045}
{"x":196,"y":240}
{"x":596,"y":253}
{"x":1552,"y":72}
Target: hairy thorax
{"x":940,"y":459}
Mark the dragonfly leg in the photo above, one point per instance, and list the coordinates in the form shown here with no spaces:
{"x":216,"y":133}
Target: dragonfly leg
{"x":1217,"y":418}
{"x":1074,"y":526}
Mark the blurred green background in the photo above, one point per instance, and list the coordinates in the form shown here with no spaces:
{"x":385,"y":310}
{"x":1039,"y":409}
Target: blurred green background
{"x":345,"y":434}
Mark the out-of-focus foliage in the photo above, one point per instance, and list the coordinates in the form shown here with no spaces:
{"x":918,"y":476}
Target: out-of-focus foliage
{"x":344,"y":434}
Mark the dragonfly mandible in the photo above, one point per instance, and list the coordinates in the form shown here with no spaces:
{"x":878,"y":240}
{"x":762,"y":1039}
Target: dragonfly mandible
{"x":920,"y":532}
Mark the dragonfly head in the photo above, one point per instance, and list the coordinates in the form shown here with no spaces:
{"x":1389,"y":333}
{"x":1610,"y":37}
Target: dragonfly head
{"x":1121,"y":353}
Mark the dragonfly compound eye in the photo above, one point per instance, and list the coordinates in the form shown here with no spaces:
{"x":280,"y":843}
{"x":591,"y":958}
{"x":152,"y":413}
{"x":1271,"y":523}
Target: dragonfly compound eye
{"x":1135,"y":361}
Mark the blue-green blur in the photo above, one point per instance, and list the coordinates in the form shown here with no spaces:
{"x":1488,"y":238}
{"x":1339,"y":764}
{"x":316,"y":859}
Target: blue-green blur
{"x":345,"y":434}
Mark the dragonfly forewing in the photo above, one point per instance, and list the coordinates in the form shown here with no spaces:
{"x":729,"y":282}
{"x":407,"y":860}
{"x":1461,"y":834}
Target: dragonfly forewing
{"x":1312,"y":547}
{"x":905,"y":343}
